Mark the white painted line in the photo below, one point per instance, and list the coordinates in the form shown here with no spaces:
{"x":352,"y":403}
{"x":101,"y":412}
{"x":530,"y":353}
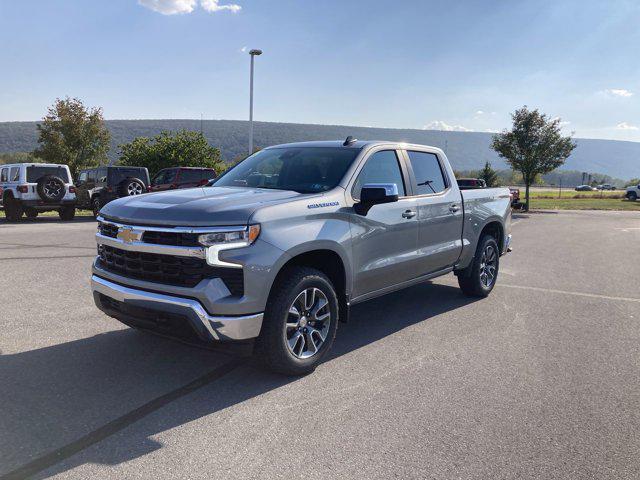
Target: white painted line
{"x":565,"y":292}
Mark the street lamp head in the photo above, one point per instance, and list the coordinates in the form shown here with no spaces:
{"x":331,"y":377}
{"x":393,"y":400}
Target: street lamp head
{"x":255,"y":52}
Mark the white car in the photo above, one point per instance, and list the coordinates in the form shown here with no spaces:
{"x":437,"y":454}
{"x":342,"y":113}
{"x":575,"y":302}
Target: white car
{"x":30,"y":188}
{"x":633,"y":192}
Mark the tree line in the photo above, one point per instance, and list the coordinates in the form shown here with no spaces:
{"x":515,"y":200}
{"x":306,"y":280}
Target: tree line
{"x":76,"y":135}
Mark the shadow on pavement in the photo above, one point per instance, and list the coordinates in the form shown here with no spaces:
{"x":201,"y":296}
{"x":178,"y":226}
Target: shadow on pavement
{"x":53,"y":396}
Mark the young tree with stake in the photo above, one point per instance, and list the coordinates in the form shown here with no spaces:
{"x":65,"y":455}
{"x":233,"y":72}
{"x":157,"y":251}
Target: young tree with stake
{"x":534,"y":146}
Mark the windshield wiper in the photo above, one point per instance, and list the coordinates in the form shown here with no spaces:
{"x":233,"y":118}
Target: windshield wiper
{"x":428,"y":184}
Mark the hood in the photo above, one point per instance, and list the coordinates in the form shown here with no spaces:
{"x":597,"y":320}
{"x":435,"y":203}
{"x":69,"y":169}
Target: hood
{"x":195,"y":207}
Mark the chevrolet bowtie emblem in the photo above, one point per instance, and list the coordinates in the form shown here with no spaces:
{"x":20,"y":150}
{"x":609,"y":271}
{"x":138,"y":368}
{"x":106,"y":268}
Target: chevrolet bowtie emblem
{"x":128,"y":235}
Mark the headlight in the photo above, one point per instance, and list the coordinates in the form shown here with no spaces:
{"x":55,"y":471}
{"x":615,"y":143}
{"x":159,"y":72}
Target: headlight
{"x":226,"y":240}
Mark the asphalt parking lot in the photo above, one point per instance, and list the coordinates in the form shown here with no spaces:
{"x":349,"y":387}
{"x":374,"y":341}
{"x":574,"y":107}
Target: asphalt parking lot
{"x":540,"y":380}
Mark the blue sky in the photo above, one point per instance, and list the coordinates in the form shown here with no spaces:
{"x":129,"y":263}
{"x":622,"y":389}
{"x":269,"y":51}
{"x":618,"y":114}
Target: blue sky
{"x":405,"y":64}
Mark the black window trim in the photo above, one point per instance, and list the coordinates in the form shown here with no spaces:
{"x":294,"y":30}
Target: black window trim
{"x":404,"y":170}
{"x":414,"y":182}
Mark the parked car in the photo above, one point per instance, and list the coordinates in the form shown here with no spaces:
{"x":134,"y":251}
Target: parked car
{"x":633,"y":192}
{"x":31,"y":188}
{"x":469,"y":183}
{"x":181,"y":177}
{"x":605,"y":186}
{"x":278,"y":258}
{"x":98,"y":186}
{"x":515,"y":198}
{"x":585,"y":188}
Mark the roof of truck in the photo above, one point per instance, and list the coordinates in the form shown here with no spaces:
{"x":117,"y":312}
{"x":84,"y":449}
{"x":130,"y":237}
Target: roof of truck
{"x":357,"y":144}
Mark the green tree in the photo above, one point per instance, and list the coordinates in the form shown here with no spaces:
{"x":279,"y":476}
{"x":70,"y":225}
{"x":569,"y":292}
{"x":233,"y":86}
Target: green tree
{"x":633,"y":182}
{"x":489,"y":175}
{"x":73,"y":135}
{"x":182,"y":149}
{"x":534,"y":146}
{"x":18,"y":157}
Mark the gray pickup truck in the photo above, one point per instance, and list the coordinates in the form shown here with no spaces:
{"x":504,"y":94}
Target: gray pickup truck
{"x":275,"y":252}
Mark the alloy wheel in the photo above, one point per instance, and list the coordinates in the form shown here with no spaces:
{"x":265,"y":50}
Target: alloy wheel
{"x":308,"y":322}
{"x":488,"y":266}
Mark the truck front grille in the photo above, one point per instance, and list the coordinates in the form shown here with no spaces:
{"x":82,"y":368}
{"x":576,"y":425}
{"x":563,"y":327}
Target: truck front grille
{"x":108,"y":230}
{"x":171,"y":238}
{"x":167,"y":269}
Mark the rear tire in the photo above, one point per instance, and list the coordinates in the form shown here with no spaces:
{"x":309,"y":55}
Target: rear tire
{"x":67,"y":213}
{"x":479,"y":278}
{"x":12,"y":209}
{"x":287,"y":343}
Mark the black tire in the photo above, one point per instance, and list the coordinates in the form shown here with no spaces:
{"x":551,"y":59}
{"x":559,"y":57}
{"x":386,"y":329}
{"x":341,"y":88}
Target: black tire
{"x":31,"y":213}
{"x":67,"y":213}
{"x":51,"y":189}
{"x":472,"y":279}
{"x":130,"y":187}
{"x":632,"y":196}
{"x":12,"y":209}
{"x":96,"y":205}
{"x":272,"y":347}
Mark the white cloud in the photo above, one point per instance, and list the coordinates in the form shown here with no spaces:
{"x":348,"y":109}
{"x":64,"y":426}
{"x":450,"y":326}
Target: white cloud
{"x":173,"y":7}
{"x":243,"y":49}
{"x":479,"y":112}
{"x":440,"y":125}
{"x":169,"y":7}
{"x":214,"y":6}
{"x":626,"y":126}
{"x":618,"y":92}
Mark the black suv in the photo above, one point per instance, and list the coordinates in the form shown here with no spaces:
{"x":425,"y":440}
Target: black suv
{"x":98,"y":186}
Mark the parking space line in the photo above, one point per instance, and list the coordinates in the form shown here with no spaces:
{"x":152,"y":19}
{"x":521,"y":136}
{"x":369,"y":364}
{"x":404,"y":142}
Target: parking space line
{"x":566,"y":292}
{"x":50,"y":459}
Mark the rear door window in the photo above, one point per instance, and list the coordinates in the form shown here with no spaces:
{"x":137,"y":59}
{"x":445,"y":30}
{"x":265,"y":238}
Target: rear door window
{"x":36,"y":172}
{"x":14,"y":174}
{"x":190,"y":176}
{"x":427,"y":171}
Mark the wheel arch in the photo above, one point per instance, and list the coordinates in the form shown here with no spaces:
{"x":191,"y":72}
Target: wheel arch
{"x":328,"y":260}
{"x":496,"y":230}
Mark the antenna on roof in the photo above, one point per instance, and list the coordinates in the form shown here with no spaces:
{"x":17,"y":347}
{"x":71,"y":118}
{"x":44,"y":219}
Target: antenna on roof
{"x":349,"y":141}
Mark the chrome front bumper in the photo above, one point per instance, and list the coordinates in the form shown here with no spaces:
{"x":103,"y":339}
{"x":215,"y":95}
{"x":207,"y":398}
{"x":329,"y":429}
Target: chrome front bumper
{"x":214,"y":328}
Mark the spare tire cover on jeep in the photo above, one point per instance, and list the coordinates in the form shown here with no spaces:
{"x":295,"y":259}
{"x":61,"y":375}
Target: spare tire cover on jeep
{"x":131,"y":186}
{"x":51,"y":188}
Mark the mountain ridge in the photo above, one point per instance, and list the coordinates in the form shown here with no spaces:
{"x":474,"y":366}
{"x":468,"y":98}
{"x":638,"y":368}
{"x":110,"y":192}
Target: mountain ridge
{"x":466,"y":150}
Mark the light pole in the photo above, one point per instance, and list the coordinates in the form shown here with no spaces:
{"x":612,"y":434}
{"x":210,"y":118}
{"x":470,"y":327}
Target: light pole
{"x":254,"y":52}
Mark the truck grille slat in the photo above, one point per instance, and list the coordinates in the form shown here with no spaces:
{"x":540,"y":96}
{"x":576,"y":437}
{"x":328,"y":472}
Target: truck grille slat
{"x":167,"y":269}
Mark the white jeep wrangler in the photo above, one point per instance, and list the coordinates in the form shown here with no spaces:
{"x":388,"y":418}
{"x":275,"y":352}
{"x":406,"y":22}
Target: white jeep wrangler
{"x":30,"y":188}
{"x":633,"y":192}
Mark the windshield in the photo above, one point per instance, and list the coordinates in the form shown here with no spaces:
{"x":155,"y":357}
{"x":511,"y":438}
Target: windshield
{"x":36,"y":173}
{"x":302,"y":169}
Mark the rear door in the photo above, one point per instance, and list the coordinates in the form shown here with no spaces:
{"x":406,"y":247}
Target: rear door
{"x":385,"y":240}
{"x":440,"y":212}
{"x":82,"y":194}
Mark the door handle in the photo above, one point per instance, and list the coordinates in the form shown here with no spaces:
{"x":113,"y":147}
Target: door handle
{"x":454,"y":207}
{"x":408,"y":214}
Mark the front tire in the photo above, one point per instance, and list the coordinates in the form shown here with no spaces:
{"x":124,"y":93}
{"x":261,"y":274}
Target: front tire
{"x":96,"y":205}
{"x":13,"y":209}
{"x":67,"y":213}
{"x":632,"y":196}
{"x":300,"y":322}
{"x":479,"y":278}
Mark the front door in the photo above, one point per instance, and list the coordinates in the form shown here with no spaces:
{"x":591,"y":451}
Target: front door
{"x":385,"y":240}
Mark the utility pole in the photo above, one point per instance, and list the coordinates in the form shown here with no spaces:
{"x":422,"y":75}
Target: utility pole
{"x":254,"y":52}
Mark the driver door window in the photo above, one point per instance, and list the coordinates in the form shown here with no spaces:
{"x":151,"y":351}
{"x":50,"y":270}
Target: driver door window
{"x":381,"y":167}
